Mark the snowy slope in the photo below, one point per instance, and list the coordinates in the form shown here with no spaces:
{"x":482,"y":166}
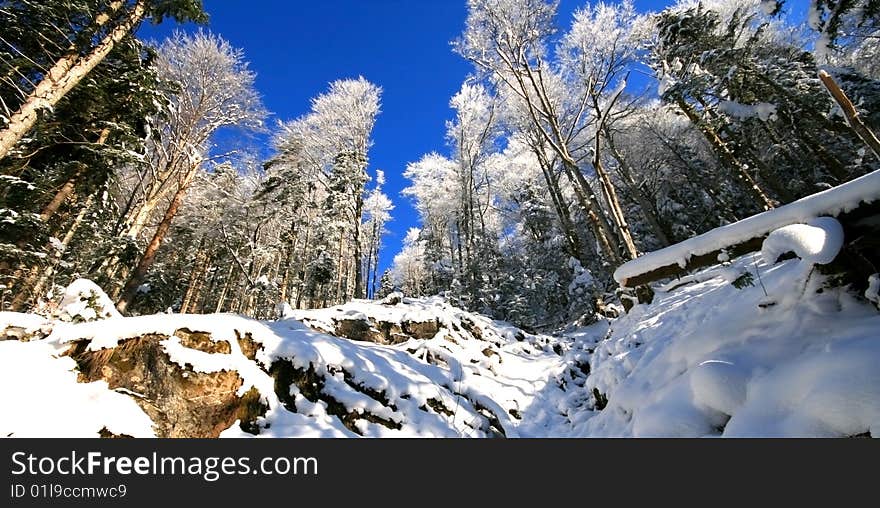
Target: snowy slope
{"x":474,"y":378}
{"x":705,"y":359}
{"x":496,"y":366}
{"x":709,"y":359}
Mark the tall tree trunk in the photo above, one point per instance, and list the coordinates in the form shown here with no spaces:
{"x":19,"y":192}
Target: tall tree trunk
{"x":149,"y":257}
{"x":572,"y":237}
{"x":852,"y":115}
{"x":376,"y":242}
{"x":288,"y":263}
{"x":613,"y":201}
{"x":226,"y":283}
{"x":67,"y":189}
{"x":357,"y":256}
{"x":64,"y":74}
{"x":195,"y":277}
{"x":748,"y":152}
{"x":587,"y":199}
{"x":340,"y":268}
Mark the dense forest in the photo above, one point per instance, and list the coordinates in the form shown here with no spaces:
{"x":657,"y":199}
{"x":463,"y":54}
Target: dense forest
{"x":576,"y":145}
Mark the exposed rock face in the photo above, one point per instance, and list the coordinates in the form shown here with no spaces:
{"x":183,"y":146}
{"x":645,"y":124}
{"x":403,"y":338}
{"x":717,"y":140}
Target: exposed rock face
{"x":421,"y":330}
{"x":311,"y":385}
{"x":384,"y":332}
{"x":180,"y":401}
{"x":25,"y":331}
{"x":249,"y":347}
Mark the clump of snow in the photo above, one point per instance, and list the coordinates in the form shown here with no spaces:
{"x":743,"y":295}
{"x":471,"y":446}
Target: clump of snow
{"x":83,"y":300}
{"x":843,"y":198}
{"x":817,"y":242}
{"x":763,"y":110}
{"x":769,"y":6}
{"x":392,"y":298}
{"x":873,"y":291}
{"x":583,"y":280}
{"x":27,"y":322}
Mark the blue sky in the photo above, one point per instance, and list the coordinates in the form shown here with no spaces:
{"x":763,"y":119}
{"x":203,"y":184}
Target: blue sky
{"x":297,"y":48}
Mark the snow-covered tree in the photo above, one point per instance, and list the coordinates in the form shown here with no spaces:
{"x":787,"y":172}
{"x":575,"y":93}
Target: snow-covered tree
{"x":377,"y":213}
{"x":214,"y":89}
{"x":508,"y":42}
{"x":410,"y":270}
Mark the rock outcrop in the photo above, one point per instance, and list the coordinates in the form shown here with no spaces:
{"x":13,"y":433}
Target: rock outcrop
{"x":180,"y":401}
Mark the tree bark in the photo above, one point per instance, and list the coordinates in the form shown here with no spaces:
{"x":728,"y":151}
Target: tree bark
{"x":571,"y":236}
{"x":852,"y":115}
{"x":67,"y":189}
{"x":64,"y":75}
{"x":587,"y":199}
{"x":129,"y":291}
{"x":611,"y":198}
{"x":195,"y":278}
{"x":22,"y":297}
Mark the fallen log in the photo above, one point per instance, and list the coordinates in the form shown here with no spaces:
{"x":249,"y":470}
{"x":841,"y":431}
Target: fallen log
{"x":852,"y":203}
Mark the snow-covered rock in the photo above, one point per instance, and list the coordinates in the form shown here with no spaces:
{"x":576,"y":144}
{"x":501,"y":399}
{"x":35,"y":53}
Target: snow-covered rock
{"x":228,"y":376}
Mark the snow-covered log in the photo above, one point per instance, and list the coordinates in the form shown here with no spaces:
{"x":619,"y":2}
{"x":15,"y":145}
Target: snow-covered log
{"x":748,"y":234}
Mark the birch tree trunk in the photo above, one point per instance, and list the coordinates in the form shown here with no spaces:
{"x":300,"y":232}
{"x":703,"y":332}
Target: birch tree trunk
{"x":65,"y":74}
{"x":626,"y":173}
{"x":129,"y":291}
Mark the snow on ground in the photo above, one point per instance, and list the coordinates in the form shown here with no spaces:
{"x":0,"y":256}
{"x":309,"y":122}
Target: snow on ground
{"x":41,"y":397}
{"x":712,"y":360}
{"x":449,"y":385}
{"x":783,"y":355}
{"x":491,"y":363}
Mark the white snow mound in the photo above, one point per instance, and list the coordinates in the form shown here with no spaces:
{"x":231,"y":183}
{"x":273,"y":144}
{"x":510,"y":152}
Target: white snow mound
{"x":817,"y":242}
